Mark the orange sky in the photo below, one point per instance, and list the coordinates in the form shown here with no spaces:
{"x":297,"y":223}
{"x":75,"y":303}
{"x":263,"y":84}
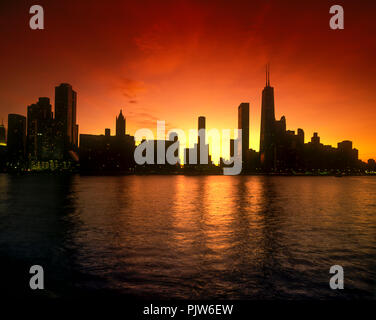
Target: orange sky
{"x":176,"y":60}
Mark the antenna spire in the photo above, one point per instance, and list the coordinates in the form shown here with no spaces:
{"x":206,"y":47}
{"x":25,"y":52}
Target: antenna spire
{"x":267,"y":75}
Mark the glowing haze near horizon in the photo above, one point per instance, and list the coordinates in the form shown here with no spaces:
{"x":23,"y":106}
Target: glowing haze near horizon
{"x":177,"y":60}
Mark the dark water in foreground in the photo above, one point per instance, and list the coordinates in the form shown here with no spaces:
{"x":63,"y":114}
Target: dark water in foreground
{"x":190,"y":237}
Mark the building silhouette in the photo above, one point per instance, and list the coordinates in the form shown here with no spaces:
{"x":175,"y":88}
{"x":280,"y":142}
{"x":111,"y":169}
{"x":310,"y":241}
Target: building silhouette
{"x":120,"y":125}
{"x":160,"y":163}
{"x":201,"y":139}
{"x":40,"y":141}
{"x":3,"y":147}
{"x":45,"y":142}
{"x":16,"y":144}
{"x":347,"y":155}
{"x":197,"y":159}
{"x":106,"y":153}
{"x":267,"y":133}
{"x":65,"y":117}
{"x":3,"y":139}
{"x":371,"y":165}
{"x":243,"y":124}
{"x":202,"y":147}
{"x":40,"y":135}
{"x":283,"y":150}
{"x":173,"y":136}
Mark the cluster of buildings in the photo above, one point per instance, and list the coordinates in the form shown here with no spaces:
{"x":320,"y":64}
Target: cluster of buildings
{"x":113,"y":154}
{"x":283,"y":150}
{"x":106,"y":153}
{"x":42,"y":140}
{"x":47,"y":141}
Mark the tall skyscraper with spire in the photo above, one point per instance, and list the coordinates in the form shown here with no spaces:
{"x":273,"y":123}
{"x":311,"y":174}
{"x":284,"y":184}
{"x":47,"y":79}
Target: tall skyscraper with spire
{"x":267,"y":134}
{"x":120,"y":125}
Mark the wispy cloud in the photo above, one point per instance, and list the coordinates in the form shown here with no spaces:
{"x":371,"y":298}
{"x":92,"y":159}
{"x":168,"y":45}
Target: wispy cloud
{"x":131,"y":88}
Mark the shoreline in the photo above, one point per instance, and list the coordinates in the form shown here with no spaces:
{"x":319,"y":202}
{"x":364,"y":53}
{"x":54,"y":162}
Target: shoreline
{"x":190,"y":174}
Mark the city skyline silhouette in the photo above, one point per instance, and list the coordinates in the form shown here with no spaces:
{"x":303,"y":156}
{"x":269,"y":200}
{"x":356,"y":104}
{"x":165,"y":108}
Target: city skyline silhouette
{"x":187,"y":157}
{"x":145,"y":58}
{"x":50,"y":140}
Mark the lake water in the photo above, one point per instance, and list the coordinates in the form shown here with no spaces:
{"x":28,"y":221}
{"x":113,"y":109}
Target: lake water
{"x":198,"y":237}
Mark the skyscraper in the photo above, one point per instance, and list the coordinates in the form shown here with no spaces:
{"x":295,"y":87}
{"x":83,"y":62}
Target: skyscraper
{"x":106,"y":153}
{"x":243,"y":124}
{"x":201,"y":142}
{"x":315,"y":139}
{"x":39,"y":133}
{"x":16,"y":139}
{"x":120,"y":125}
{"x":202,"y":125}
{"x":2,"y":134}
{"x":65,"y":116}
{"x":301,"y":136}
{"x":267,"y":134}
{"x":232,"y":148}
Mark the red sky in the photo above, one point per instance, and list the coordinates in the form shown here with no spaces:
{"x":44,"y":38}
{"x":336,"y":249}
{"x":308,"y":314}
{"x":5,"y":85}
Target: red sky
{"x":176,"y":60}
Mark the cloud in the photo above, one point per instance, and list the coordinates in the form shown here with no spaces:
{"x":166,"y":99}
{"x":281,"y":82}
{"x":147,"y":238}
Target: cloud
{"x":145,"y":119}
{"x":131,"y":88}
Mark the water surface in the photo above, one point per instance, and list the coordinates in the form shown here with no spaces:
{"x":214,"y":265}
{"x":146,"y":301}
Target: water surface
{"x":238,"y":237}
